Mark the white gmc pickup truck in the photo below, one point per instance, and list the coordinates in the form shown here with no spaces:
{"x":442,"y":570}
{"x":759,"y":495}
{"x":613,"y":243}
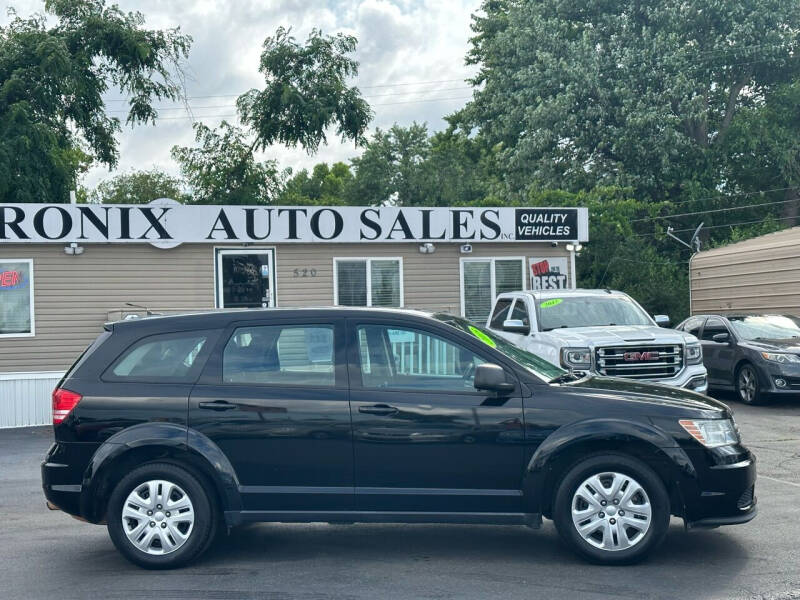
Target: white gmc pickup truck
{"x":600,"y":331}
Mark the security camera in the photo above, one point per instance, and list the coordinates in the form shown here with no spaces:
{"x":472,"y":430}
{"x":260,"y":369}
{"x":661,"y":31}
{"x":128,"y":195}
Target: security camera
{"x":554,"y":244}
{"x":466,"y":249}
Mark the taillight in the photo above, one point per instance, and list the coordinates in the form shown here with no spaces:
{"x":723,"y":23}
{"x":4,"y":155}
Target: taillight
{"x":63,"y":402}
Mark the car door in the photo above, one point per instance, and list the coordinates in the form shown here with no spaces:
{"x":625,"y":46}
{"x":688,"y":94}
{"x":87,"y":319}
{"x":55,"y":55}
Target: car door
{"x":717,"y":356}
{"x":424,"y":438}
{"x":274,"y":399}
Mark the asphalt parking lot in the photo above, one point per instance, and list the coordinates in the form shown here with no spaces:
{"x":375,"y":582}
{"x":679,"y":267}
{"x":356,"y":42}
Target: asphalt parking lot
{"x":46,"y":554}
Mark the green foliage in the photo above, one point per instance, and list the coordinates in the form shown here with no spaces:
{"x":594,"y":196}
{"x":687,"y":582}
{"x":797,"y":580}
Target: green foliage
{"x":306,"y":92}
{"x":624,"y":92}
{"x":222,"y":168}
{"x":326,"y":186}
{"x":138,"y":187}
{"x":52,"y":79}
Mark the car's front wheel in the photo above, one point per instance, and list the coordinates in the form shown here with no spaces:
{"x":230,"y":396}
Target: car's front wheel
{"x":160,"y":516}
{"x":611,"y":509}
{"x":748,"y":385}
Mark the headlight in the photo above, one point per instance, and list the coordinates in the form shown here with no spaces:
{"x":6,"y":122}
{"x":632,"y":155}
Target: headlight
{"x":694,"y":354}
{"x":711,"y":432}
{"x":576,"y":358}
{"x":780,"y":357}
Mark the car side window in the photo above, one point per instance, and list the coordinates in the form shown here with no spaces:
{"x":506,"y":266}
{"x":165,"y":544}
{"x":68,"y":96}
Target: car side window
{"x":712,"y":327}
{"x":280,"y":355}
{"x":400,"y":358}
{"x":500,"y":314}
{"x":693,"y":325}
{"x":159,"y":357}
{"x":520,"y":312}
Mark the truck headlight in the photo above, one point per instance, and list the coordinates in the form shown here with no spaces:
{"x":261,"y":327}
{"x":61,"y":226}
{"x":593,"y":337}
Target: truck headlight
{"x":780,"y":357}
{"x":694,"y":354}
{"x":576,"y":358}
{"x":711,"y":432}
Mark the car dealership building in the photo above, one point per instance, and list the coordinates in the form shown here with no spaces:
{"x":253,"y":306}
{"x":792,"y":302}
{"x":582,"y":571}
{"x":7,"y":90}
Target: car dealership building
{"x":66,"y":269}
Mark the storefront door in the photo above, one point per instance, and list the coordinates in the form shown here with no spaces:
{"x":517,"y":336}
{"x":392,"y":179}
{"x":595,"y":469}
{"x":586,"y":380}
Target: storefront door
{"x":245,"y":278}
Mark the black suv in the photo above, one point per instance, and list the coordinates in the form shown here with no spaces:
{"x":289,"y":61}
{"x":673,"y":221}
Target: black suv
{"x":170,"y":429}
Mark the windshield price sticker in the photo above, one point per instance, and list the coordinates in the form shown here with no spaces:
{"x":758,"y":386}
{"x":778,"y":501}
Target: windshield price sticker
{"x":482,"y":337}
{"x":549,"y":303}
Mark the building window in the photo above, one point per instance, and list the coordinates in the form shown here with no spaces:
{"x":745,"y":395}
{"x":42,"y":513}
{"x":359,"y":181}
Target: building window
{"x":482,"y":279}
{"x":368,"y":282}
{"x":16,"y":298}
{"x":245,"y":278}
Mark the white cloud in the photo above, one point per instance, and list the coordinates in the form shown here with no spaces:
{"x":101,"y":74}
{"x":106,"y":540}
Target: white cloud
{"x":418,"y":42}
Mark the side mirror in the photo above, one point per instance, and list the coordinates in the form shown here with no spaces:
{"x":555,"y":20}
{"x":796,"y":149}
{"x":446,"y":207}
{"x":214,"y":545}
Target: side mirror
{"x":516,"y":326}
{"x":492,"y":378}
{"x":662,"y":320}
{"x":722,"y":338}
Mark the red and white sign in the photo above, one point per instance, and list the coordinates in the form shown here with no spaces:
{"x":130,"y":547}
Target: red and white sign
{"x":548,"y":273}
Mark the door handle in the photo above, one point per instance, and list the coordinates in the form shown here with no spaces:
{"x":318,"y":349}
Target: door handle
{"x":378,"y":409}
{"x":217,"y":405}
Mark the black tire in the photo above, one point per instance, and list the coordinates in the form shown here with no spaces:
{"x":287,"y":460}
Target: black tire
{"x":748,"y":394}
{"x":203,"y":530}
{"x":624,"y":465}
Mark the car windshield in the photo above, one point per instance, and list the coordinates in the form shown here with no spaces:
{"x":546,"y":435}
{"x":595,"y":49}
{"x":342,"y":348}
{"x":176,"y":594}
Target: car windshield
{"x":766,"y":327}
{"x":589,"y":311}
{"x":535,"y":364}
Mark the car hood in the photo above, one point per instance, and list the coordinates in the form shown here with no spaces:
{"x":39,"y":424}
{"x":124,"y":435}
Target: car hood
{"x":620,"y":334}
{"x":664,"y":396}
{"x":792,"y":346}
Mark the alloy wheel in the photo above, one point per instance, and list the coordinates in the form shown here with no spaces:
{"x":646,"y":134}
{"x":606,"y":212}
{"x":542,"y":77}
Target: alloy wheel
{"x":611,"y":511}
{"x":157,"y":517}
{"x":747,"y":384}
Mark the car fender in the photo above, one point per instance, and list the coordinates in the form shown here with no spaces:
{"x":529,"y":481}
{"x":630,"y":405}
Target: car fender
{"x":203,"y":452}
{"x":542,"y":474}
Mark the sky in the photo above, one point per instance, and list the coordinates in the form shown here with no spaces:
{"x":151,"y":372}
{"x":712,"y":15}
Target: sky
{"x":411,"y":54}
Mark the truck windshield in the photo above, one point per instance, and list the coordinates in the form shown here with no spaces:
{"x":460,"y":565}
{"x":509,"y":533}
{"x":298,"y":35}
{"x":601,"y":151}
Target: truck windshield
{"x":589,"y":311}
{"x":535,"y":364}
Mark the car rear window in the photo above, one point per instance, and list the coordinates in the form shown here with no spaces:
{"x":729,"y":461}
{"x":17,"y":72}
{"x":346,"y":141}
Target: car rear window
{"x":170,"y":357}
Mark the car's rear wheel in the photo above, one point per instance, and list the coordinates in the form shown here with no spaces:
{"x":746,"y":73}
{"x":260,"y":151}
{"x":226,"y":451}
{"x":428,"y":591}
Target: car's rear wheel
{"x":611,"y":509}
{"x":160,"y":516}
{"x":748,"y":387}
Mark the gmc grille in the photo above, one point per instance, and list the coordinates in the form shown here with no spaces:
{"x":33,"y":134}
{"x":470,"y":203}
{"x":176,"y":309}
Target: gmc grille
{"x":640,"y":362}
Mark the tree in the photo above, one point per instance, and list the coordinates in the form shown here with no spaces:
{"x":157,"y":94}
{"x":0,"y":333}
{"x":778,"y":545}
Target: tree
{"x":222,"y":169}
{"x":138,"y":187}
{"x":624,"y":92}
{"x":394,"y":167}
{"x":328,"y":186}
{"x":52,"y":80}
{"x":305,"y":94}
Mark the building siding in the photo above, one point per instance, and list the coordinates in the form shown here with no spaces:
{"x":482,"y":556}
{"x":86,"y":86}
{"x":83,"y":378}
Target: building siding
{"x":758,"y":275}
{"x":75,"y":295}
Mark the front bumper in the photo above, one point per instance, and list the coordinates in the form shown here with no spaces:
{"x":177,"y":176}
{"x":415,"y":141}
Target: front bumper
{"x":722,"y":490}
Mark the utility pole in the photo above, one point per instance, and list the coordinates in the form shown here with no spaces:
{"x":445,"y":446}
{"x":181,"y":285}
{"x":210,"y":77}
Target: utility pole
{"x":694,"y":244}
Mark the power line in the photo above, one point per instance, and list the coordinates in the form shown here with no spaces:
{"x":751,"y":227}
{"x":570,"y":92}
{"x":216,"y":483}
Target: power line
{"x":715,"y":210}
{"x":436,"y":91}
{"x":764,"y":220}
{"x":229,"y":116}
{"x":363,"y":87}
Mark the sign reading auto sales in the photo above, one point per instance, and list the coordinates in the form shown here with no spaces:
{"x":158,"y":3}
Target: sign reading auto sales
{"x":166,"y":223}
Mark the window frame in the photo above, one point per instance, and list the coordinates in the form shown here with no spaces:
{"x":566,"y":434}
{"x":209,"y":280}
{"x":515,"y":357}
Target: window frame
{"x":191,"y":377}
{"x":368,"y":260}
{"x":228,"y":336}
{"x":725,"y":326}
{"x":212,"y":372}
{"x":32,"y":332}
{"x":220,"y":251}
{"x":354,"y":359}
{"x":493,"y":282}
